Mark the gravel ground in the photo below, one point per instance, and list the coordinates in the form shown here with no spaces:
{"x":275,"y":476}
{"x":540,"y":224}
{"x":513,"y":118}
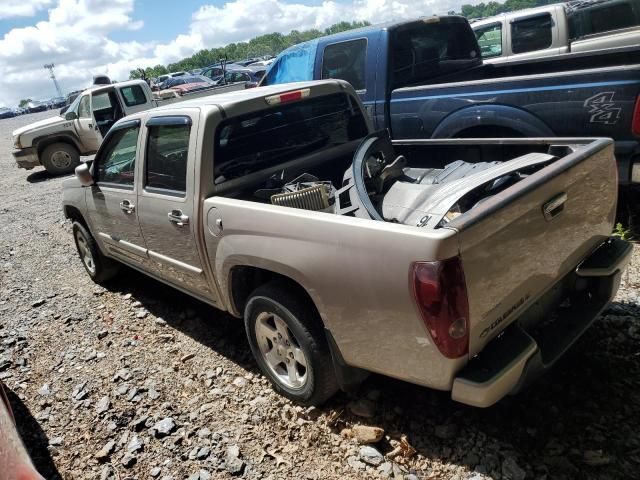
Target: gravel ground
{"x":139,"y":381}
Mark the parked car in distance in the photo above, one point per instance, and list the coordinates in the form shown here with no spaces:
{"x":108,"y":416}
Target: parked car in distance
{"x":7,"y":112}
{"x":215,"y":71}
{"x":247,"y":75}
{"x":14,"y":459}
{"x":57,"y":102}
{"x":37,"y":106}
{"x":199,"y":80}
{"x":160,"y":81}
{"x":575,"y":26}
{"x":463,"y":265}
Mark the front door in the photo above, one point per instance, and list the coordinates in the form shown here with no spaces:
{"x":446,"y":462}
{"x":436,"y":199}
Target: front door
{"x":112,"y":200}
{"x":166,"y":203}
{"x":87,"y":127}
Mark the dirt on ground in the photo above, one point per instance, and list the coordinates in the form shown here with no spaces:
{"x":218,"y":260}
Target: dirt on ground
{"x":135,"y":380}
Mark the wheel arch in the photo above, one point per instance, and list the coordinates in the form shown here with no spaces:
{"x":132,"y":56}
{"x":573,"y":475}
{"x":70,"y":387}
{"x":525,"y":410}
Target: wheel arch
{"x":74,"y":214}
{"x":41,"y":143}
{"x":524,"y":123}
{"x":244,"y":279}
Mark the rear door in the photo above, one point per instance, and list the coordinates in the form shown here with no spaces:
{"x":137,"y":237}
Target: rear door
{"x":524,"y":240}
{"x":86,"y":125}
{"x":112,"y":200}
{"x":167,"y":201}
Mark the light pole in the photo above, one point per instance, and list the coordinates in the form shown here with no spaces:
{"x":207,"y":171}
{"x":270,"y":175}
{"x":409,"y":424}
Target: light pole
{"x":49,"y":66}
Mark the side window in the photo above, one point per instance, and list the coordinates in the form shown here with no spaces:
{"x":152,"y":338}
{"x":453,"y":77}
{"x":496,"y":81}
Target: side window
{"x":84,"y":109}
{"x":133,"y":95}
{"x":101,"y":101}
{"x":612,"y":17}
{"x":166,"y":160}
{"x":345,"y":60}
{"x":531,"y":34}
{"x":490,"y":40}
{"x":117,"y":161}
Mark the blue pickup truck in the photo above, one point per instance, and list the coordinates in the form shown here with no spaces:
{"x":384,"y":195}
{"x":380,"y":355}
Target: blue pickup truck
{"x":425,"y":79}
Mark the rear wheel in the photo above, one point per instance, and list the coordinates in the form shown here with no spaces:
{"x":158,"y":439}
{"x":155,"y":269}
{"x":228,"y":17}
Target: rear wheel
{"x":99,"y":267}
{"x":288,"y":342}
{"x":60,"y":158}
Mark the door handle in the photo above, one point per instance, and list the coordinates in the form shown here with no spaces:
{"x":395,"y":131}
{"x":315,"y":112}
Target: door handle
{"x":127,"y":207}
{"x":177,"y":217}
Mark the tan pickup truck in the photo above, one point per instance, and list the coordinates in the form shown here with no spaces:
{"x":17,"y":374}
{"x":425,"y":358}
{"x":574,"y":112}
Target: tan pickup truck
{"x":463,"y":265}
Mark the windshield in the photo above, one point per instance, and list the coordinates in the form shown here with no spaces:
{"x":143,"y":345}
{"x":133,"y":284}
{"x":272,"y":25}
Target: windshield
{"x":423,"y":50}
{"x":74,"y":105}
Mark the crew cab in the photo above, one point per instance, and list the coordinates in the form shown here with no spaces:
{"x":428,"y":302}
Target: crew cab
{"x":58,"y":142}
{"x":462,"y":265}
{"x":575,"y":26}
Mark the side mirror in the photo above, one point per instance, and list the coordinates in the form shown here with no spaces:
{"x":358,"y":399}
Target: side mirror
{"x":251,"y":85}
{"x":70,"y":116}
{"x":84,"y":175}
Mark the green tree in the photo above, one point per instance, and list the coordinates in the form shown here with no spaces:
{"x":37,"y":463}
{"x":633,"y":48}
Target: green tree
{"x":263,"y":45}
{"x":24,"y":102}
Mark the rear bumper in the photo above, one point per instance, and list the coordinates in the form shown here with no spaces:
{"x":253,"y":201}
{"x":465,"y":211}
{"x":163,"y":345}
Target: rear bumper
{"x":26,"y":158}
{"x":519,"y":354}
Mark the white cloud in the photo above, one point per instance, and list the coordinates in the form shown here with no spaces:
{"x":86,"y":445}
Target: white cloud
{"x":76,"y":35}
{"x":22,"y":8}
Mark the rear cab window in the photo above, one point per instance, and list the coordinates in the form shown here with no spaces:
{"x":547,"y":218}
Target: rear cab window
{"x":531,"y":33}
{"x":167,"y":153}
{"x":253,"y":142}
{"x":602,"y":17}
{"x":346,"y":61}
{"x":114,"y":165}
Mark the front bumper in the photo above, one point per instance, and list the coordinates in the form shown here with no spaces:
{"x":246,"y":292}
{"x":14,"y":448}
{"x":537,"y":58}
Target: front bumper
{"x":26,"y":158}
{"x":520,"y":354}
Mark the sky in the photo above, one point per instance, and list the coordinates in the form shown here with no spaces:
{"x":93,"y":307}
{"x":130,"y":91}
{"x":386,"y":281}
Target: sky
{"x":112,"y":37}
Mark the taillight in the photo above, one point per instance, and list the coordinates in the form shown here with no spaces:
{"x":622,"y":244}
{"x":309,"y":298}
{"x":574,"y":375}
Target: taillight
{"x":635,"y":122}
{"x":440,"y":292}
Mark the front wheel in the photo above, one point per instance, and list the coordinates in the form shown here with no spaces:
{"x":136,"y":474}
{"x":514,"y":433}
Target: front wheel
{"x":288,"y":342}
{"x":60,"y":158}
{"x":99,"y":267}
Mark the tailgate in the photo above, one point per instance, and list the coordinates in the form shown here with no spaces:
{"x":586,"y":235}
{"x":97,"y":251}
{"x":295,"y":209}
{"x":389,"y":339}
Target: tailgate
{"x":512,"y":252}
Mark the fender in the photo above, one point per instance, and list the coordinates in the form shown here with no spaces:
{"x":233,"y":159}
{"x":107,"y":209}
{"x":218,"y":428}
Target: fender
{"x":492,"y":116}
{"x":66,"y":137}
{"x":223,"y":272}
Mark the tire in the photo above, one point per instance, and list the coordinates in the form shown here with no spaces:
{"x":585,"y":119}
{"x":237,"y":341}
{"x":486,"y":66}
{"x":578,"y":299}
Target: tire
{"x":60,"y":158}
{"x":99,"y":267}
{"x":274,"y":316}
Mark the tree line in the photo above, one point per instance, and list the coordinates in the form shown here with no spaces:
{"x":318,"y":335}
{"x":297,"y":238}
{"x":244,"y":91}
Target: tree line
{"x":494,"y":8}
{"x":264,"y":45}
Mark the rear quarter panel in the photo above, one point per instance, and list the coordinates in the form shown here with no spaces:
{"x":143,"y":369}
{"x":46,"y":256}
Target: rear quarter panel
{"x":355,"y":270}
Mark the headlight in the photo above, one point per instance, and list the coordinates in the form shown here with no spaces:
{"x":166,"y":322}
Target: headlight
{"x":16,"y":141}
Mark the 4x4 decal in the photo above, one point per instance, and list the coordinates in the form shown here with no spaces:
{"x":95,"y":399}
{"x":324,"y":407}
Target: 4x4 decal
{"x":603,"y":109}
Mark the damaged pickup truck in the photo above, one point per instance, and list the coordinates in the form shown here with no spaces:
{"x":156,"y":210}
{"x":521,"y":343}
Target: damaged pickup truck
{"x":462,"y":265}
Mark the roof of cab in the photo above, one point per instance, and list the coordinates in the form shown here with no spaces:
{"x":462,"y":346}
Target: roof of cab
{"x":227,"y":99}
